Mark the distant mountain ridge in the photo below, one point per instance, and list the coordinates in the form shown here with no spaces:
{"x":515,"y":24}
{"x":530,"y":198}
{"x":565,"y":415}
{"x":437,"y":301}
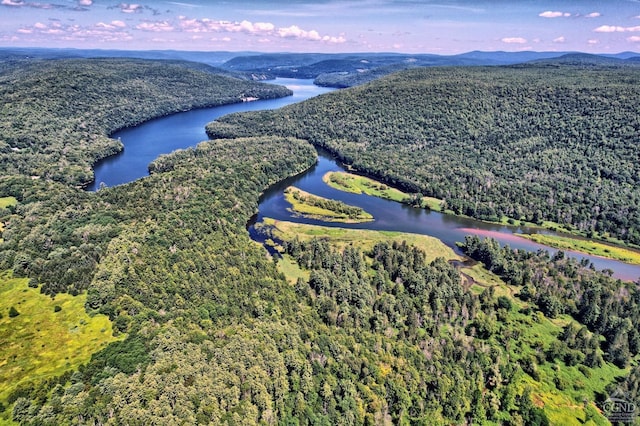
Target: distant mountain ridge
{"x":346,"y":70}
{"x":331,"y":69}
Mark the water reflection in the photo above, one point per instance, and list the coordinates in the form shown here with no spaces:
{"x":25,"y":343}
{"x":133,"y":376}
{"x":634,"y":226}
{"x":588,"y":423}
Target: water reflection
{"x":393,"y":216}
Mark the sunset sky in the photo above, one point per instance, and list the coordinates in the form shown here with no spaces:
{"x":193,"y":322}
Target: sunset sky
{"x":438,"y":26}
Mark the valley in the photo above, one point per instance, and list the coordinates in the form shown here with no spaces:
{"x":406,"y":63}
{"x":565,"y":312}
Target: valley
{"x":407,"y":318}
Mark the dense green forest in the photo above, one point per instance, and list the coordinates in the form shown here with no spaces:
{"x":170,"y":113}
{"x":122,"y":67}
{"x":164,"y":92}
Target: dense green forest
{"x":210,"y":332}
{"x":79,"y":103}
{"x":535,"y":143}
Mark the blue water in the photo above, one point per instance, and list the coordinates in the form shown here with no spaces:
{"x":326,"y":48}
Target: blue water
{"x":393,"y":216}
{"x":144,"y":143}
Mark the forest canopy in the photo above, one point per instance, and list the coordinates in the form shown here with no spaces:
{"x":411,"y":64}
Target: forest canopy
{"x":56,"y":116}
{"x":211,"y":332}
{"x":531,"y":143}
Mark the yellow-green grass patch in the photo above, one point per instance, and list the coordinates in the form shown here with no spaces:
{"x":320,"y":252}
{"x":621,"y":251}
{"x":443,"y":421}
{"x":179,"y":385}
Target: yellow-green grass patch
{"x":7,"y":202}
{"x":291,"y":270}
{"x":562,"y":406}
{"x":314,"y":207}
{"x":484,"y":279}
{"x":363,"y":239}
{"x":586,"y":246}
{"x":568,"y":229}
{"x":357,"y":184}
{"x":44,"y":341}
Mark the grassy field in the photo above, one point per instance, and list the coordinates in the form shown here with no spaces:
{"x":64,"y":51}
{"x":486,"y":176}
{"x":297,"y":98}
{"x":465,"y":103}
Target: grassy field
{"x":47,"y":337}
{"x":290,"y":268}
{"x":572,"y":405}
{"x":356,"y":184}
{"x":6,"y":202}
{"x":360,"y":238}
{"x":314,"y":207}
{"x":586,"y":246}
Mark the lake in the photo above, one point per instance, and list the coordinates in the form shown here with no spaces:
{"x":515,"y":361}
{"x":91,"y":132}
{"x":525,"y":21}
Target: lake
{"x":145,"y":142}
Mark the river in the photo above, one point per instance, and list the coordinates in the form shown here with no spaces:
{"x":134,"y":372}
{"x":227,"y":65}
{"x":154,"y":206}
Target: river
{"x":144,"y":143}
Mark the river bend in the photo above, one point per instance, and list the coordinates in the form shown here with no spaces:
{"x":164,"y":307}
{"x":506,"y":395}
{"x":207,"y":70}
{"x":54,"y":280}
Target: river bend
{"x":145,"y":142}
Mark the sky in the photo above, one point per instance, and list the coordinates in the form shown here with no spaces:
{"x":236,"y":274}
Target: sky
{"x":331,"y":26}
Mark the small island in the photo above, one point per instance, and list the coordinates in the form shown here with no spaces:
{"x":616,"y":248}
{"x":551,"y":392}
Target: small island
{"x":356,"y":184}
{"x":320,"y":208}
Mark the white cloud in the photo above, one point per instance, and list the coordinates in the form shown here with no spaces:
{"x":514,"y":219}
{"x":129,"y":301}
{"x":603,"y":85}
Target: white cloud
{"x":634,"y":39}
{"x":36,"y":5}
{"x":296,"y":32}
{"x":111,"y":26}
{"x":560,"y":39}
{"x":334,"y":40}
{"x":155,"y":26}
{"x":616,"y":29}
{"x":592,"y":41}
{"x":130,"y":8}
{"x":608,"y":29}
{"x":552,"y":14}
{"x":516,"y":40}
{"x":101,"y":32}
{"x":593,"y":15}
{"x":262,"y":29}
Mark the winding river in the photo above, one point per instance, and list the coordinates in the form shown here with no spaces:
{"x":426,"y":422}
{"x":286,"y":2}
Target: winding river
{"x":146,"y":142}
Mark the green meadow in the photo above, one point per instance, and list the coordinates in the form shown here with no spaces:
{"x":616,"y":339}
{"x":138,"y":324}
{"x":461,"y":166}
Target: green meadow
{"x":362,"y":239}
{"x":356,"y":184}
{"x":7,"y":201}
{"x":312,"y":206}
{"x":566,"y":393}
{"x":4,"y":203}
{"x":43,"y":337}
{"x":586,"y":246}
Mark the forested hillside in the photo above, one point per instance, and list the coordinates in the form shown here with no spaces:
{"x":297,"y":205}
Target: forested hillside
{"x":210,"y":331}
{"x":216,"y":335}
{"x":79,"y":103}
{"x":529,"y":143}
